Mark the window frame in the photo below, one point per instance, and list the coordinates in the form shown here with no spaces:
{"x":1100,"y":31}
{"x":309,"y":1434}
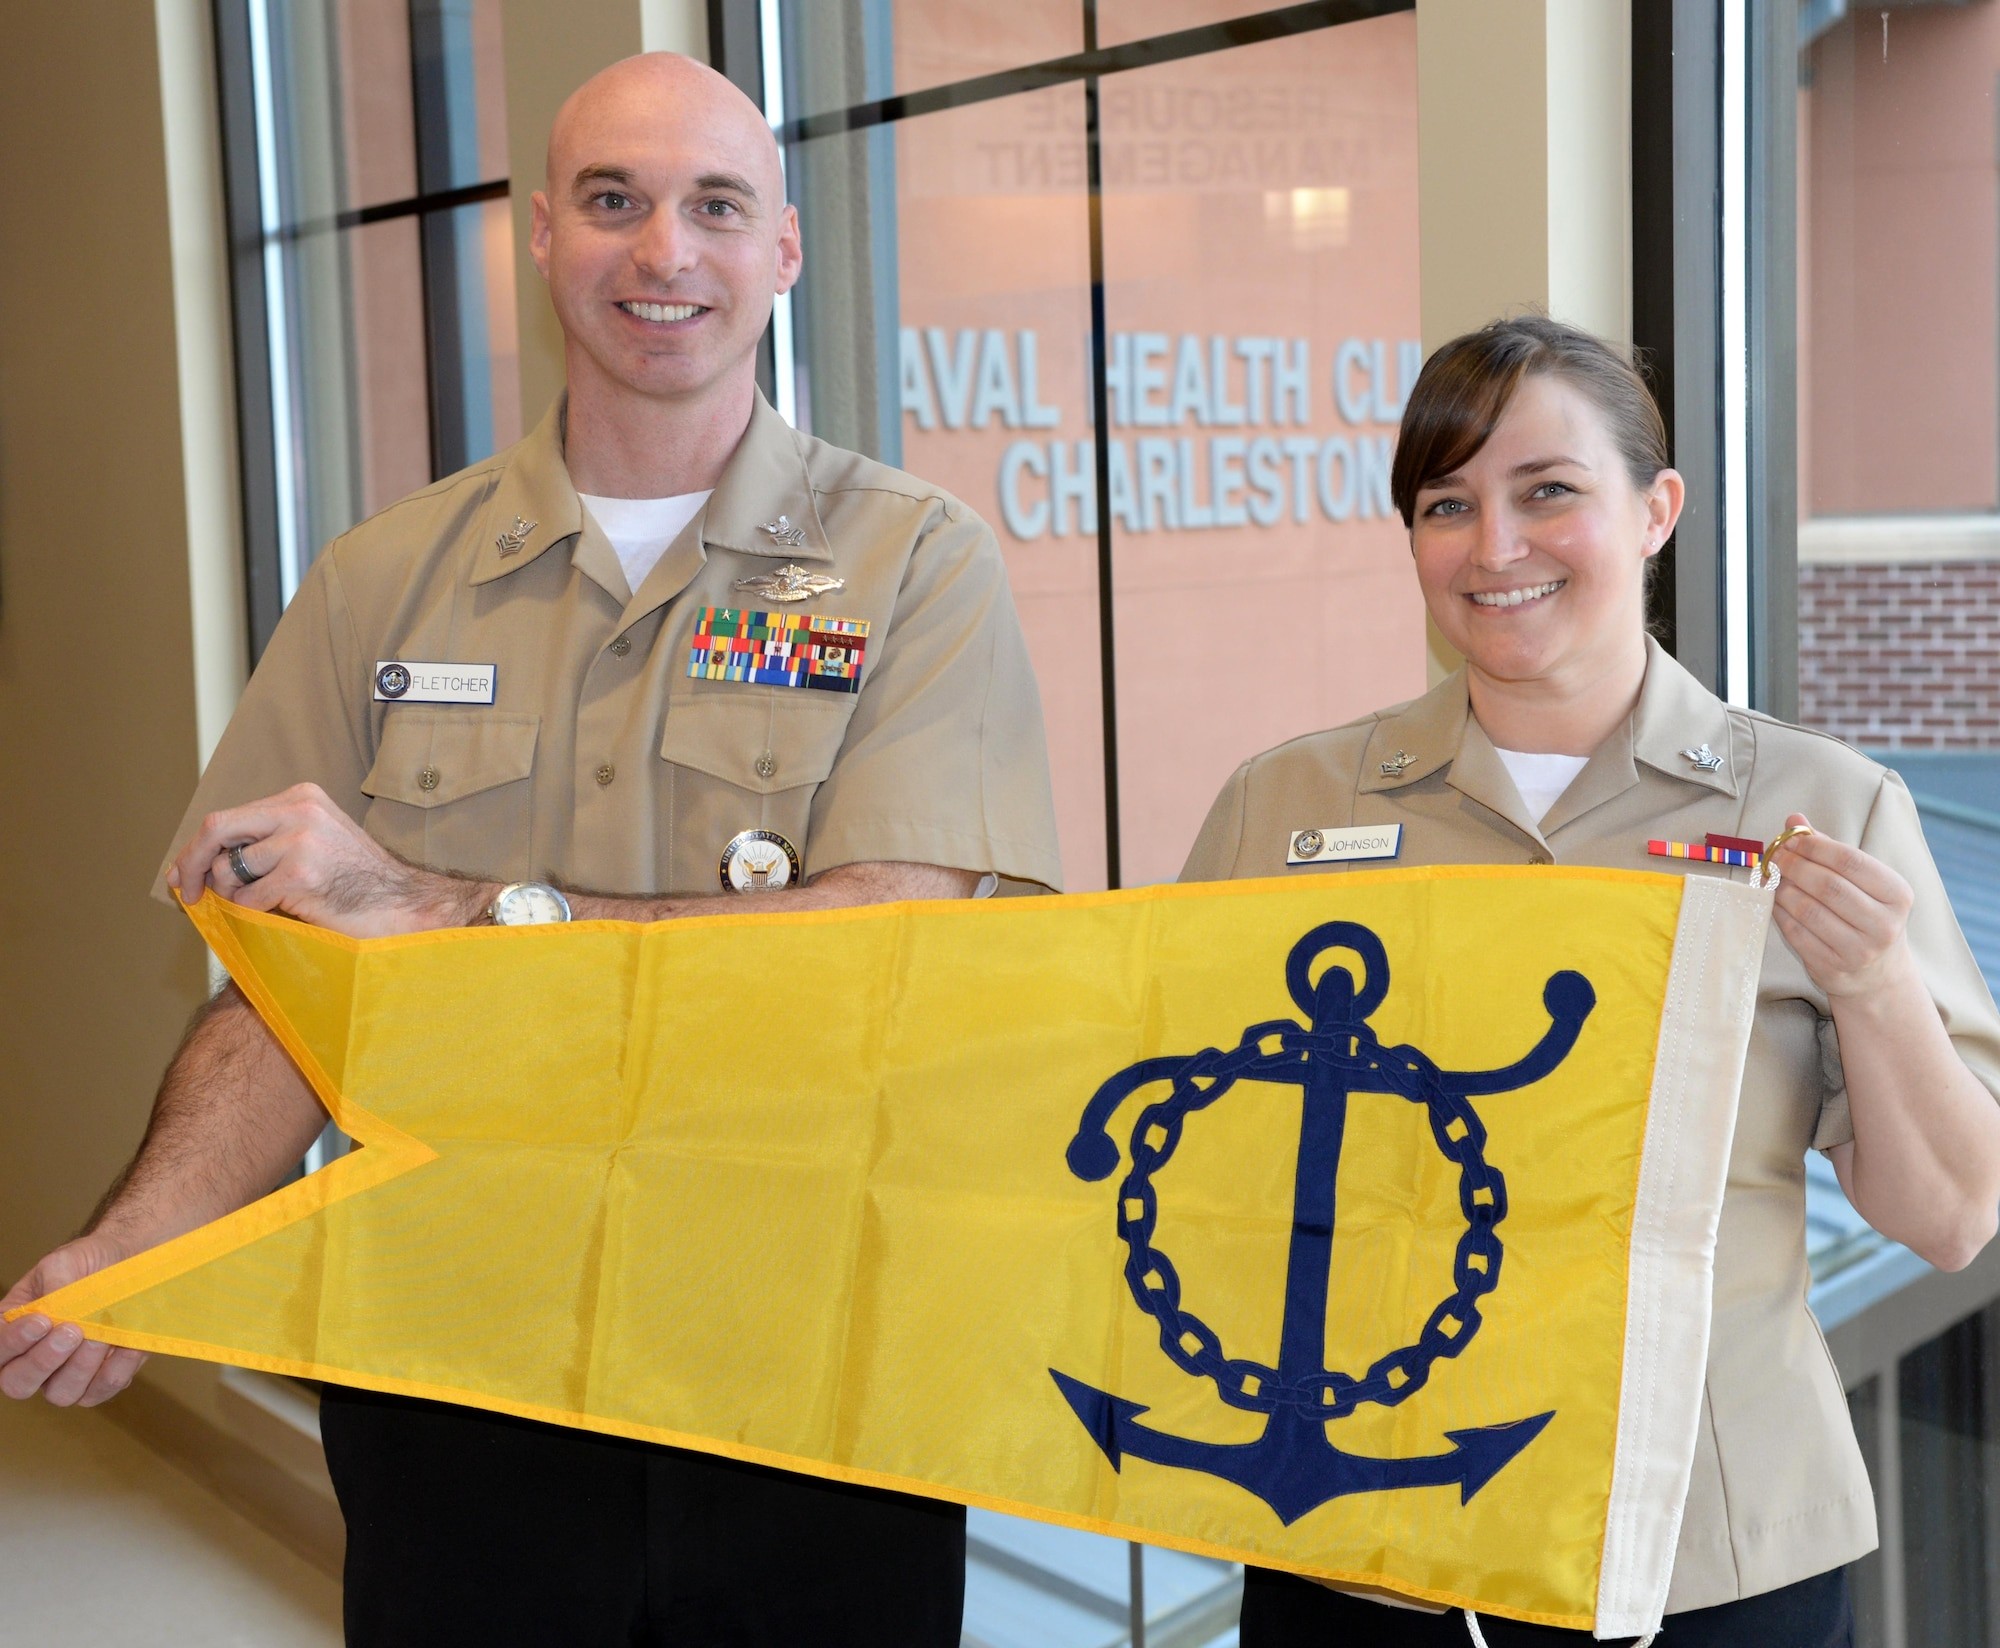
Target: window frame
{"x":253,"y":236}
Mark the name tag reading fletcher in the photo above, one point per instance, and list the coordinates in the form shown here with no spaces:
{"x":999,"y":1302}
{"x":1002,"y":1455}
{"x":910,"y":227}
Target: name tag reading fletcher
{"x":408,"y":681}
{"x":1346,"y":846}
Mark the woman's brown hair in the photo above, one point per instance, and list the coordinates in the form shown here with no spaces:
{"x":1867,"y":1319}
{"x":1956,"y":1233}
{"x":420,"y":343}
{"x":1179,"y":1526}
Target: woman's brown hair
{"x":1464,"y":388}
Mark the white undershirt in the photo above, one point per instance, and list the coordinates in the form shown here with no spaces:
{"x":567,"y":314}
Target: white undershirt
{"x":640,"y":529}
{"x":1540,"y":778}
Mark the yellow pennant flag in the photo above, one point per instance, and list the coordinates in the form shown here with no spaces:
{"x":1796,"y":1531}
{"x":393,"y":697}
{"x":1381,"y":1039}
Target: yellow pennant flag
{"x":1360,"y":1226}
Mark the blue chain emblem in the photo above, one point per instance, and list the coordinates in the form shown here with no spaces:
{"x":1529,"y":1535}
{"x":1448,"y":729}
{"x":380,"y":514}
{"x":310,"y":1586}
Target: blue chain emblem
{"x":1294,"y":1467}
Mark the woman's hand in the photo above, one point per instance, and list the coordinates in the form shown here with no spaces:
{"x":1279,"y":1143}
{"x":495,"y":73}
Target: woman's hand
{"x":1845,"y":914}
{"x":1924,"y":1164}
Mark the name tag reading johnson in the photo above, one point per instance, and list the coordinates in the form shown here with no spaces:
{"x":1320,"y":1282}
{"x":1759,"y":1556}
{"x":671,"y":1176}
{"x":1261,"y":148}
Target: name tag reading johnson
{"x":1344,"y":846}
{"x":409,"y":681}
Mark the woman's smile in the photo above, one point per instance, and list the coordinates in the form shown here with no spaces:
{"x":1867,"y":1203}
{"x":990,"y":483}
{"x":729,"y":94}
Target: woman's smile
{"x":1524,"y":595}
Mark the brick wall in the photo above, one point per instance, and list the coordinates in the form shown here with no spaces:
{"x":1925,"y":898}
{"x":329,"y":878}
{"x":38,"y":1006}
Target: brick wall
{"x":1904,"y":656}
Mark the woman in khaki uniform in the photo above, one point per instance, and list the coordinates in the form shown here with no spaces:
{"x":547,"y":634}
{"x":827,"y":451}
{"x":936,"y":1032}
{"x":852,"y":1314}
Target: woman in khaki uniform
{"x":1532,"y":472}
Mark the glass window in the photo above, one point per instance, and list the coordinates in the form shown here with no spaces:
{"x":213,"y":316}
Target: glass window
{"x":1949,"y":1398}
{"x":1260,"y":275}
{"x":1899,"y":387}
{"x":1864,"y":1407}
{"x":366,"y":164}
{"x":1245,"y":308}
{"x":860,"y":51}
{"x":1120,"y":21}
{"x":974,"y":370}
{"x":1897,"y":327}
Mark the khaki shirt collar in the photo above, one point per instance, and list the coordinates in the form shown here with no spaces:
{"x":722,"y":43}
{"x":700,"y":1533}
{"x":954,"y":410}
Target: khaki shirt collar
{"x":1676,"y":718}
{"x":764,"y":483}
{"x":534,"y":506}
{"x":1417,"y":738}
{"x":1675,"y":714}
{"x":1439,"y":733}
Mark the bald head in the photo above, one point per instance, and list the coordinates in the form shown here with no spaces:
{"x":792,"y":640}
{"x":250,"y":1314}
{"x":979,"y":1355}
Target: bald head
{"x":663,"y":95}
{"x":665,"y":239}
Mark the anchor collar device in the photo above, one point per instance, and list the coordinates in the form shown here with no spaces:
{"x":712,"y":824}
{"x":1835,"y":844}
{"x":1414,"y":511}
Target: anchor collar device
{"x":1675,"y":713}
{"x":767,"y":481}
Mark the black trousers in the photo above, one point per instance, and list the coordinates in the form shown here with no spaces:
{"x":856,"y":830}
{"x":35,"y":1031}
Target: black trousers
{"x":471,"y":1528}
{"x":1284,"y":1611}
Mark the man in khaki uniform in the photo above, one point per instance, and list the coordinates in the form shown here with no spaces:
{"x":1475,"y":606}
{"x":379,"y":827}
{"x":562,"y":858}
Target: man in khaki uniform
{"x":663,"y":651}
{"x":1778,"y":1490}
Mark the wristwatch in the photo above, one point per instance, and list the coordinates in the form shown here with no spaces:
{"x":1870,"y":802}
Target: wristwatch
{"x":527,"y":904}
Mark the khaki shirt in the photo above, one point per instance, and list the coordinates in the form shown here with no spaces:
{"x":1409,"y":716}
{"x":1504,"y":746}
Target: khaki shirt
{"x":1779,"y":1491}
{"x":601,"y":763}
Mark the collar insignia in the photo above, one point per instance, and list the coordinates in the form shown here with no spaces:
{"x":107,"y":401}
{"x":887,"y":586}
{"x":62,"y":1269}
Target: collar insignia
{"x":515,"y":537}
{"x":1395,"y":766}
{"x":790,"y":583}
{"x":784,"y":534}
{"x":1704,"y":759}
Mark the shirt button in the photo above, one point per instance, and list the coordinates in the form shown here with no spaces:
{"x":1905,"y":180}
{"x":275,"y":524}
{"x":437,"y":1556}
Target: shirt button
{"x":621,"y":646}
{"x":427,"y":778}
{"x":767,"y":764}
{"x":606,"y":773}
{"x":1541,"y":858}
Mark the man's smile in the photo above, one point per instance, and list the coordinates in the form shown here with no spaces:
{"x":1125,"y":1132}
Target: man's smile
{"x":663,"y":313}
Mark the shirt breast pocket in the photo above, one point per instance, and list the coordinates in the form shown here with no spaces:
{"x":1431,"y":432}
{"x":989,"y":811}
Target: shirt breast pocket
{"x":451,"y":789}
{"x":748,"y":759}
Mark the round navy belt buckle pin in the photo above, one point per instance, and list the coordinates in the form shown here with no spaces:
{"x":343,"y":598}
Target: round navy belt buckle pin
{"x":392,"y":680}
{"x":758,"y":861}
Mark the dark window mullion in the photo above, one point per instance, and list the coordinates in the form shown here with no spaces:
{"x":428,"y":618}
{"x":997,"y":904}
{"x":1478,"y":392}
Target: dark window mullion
{"x":443,"y":379}
{"x":1094,"y":61}
{"x":1100,"y":400}
{"x":385,"y":211}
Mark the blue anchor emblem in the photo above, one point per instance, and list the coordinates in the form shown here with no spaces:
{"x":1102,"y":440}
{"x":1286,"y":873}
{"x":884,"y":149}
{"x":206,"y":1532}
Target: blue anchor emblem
{"x":1294,"y":1467}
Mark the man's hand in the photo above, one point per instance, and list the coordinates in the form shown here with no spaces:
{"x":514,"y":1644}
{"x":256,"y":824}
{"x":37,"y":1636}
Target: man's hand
{"x":308,"y":859}
{"x":66,"y":1368}
{"x":1845,"y":913}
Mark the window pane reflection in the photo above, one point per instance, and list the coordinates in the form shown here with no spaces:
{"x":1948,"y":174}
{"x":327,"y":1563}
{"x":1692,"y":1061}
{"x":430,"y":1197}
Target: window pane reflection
{"x":1260,"y":249}
{"x":1949,"y":1397}
{"x":1899,"y":636}
{"x":370,"y":57}
{"x":383,"y":400}
{"x":1899,"y":382}
{"x":944,"y":326}
{"x":1864,"y":1578}
{"x":1121,"y":20}
{"x":842,"y":52}
{"x":387,"y":327}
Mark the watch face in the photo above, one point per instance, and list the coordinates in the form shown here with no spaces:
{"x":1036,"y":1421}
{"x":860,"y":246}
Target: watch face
{"x":529,"y":904}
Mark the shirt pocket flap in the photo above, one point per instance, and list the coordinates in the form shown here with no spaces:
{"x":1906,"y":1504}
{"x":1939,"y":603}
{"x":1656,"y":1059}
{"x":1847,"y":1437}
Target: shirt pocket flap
{"x":748,"y":739}
{"x":428,"y":758}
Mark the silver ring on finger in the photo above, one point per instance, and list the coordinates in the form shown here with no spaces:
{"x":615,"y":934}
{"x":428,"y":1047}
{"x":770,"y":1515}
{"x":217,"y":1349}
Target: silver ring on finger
{"x":243,"y":871}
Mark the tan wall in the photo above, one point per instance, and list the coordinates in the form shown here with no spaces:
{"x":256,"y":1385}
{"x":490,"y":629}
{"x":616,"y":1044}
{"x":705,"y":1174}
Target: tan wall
{"x":1524,"y":170}
{"x":97,"y":703}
